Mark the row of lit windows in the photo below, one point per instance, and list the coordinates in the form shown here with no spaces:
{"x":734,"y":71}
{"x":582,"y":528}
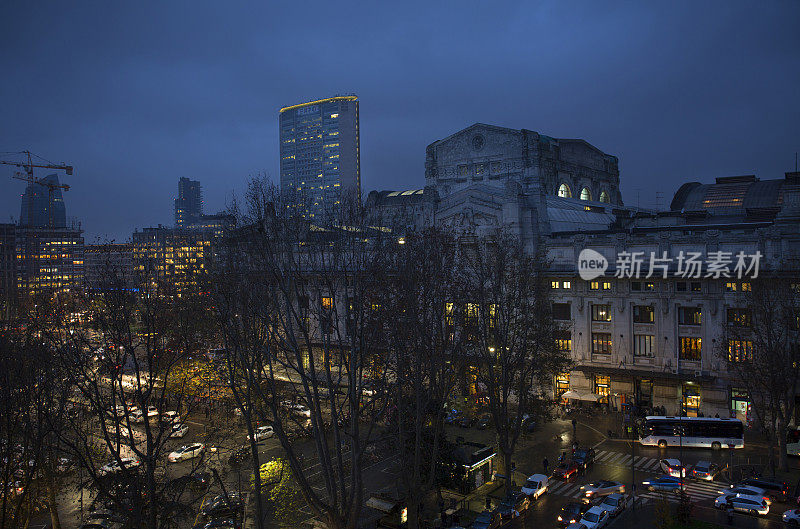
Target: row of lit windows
{"x":586,"y":194}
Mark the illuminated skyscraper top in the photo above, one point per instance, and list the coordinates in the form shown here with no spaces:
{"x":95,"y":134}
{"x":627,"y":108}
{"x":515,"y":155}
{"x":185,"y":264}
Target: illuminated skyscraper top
{"x":320,"y":158}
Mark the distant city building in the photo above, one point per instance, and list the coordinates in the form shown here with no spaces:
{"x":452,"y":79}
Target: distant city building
{"x":176,"y":257}
{"x":50,"y":260}
{"x":320,"y":163}
{"x":35,"y":210}
{"x":109,"y":267}
{"x":189,"y":204}
{"x":217,"y":224}
{"x":8,"y":268}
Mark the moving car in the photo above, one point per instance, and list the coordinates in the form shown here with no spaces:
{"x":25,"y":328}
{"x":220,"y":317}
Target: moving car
{"x":170,"y":417}
{"x":584,"y":457}
{"x":535,"y":485}
{"x":152,"y":411}
{"x":601,"y":488}
{"x":263,"y":432}
{"x":706,"y":471}
{"x":178,"y":430}
{"x":300,"y":410}
{"x":792,"y":517}
{"x":452,"y":417}
{"x":663,"y":484}
{"x":187,"y":452}
{"x":513,"y":505}
{"x":566,"y":470}
{"x":487,"y":520}
{"x":128,"y":463}
{"x":777,"y":490}
{"x":572,"y":512}
{"x":746,"y":490}
{"x":613,"y":504}
{"x":673,"y":467}
{"x":743,"y":503}
{"x":595,"y":518}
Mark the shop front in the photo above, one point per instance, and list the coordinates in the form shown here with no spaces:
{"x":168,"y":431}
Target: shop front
{"x":690,"y":399}
{"x":740,"y":404}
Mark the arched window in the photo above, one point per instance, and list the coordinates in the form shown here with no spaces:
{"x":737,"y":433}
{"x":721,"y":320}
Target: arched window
{"x":564,"y":191}
{"x":604,"y":197}
{"x":586,"y":194}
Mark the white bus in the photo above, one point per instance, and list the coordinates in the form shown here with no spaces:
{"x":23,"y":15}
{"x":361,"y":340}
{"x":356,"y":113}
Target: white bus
{"x":697,"y":432}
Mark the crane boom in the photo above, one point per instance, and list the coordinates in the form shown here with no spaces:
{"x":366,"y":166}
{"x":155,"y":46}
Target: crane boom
{"x":28,"y":166}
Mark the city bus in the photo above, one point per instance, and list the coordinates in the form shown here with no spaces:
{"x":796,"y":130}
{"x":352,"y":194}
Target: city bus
{"x":696,"y":432}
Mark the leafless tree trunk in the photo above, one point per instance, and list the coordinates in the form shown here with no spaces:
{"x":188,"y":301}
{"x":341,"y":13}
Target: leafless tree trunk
{"x":511,"y":334}
{"x":299,"y":328}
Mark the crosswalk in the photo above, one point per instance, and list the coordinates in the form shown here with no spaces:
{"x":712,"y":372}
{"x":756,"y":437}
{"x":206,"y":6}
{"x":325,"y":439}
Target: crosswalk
{"x":645,"y":464}
{"x":697,"y":491}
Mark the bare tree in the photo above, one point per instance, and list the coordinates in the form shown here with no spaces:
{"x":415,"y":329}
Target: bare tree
{"x":294,"y":302}
{"x":761,"y":347}
{"x":511,"y":334}
{"x":418,"y":295}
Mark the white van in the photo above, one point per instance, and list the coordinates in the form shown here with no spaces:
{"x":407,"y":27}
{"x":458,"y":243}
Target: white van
{"x":536,"y":485}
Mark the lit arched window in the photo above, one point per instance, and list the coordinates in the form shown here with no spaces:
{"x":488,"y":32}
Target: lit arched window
{"x":564,"y":191}
{"x":604,"y":197}
{"x":586,"y":194}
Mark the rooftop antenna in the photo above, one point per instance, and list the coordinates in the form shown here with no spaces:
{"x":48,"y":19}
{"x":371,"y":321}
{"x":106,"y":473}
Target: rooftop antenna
{"x":659,"y":197}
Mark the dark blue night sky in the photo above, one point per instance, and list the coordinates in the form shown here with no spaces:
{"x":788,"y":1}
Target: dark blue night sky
{"x":138,"y":94}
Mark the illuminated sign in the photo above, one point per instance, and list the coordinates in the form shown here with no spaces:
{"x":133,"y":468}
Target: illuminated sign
{"x":304,"y":111}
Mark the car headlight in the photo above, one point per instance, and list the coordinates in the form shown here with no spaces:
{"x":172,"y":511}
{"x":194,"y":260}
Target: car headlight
{"x":560,"y":519}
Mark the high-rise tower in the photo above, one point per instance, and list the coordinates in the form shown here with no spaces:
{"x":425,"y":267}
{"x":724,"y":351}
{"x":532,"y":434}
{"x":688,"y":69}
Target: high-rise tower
{"x":189,"y":204}
{"x":320,"y":159}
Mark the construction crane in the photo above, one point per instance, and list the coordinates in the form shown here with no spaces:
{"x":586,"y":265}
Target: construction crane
{"x":28,"y":166}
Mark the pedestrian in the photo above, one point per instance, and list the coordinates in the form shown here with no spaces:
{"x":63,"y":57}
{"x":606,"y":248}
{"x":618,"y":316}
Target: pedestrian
{"x":716,"y":415}
{"x":545,"y":464}
{"x":562,"y":457}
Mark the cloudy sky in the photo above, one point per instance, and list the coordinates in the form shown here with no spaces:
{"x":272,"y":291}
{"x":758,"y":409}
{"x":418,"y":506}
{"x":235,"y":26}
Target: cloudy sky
{"x":138,"y":94}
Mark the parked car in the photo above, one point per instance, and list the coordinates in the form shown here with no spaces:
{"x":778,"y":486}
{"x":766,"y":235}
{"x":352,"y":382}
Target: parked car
{"x":601,"y":488}
{"x":513,"y":505}
{"x":777,"y":490}
{"x":300,"y":410}
{"x":487,"y":520}
{"x":663,"y":484}
{"x":136,"y":416}
{"x":223,"y":505}
{"x":584,"y":457}
{"x":572,"y":512}
{"x":595,"y":518}
{"x":706,"y":471}
{"x":263,"y":432}
{"x":536,"y":485}
{"x":743,"y":503}
{"x":613,"y":504}
{"x":152,"y":411}
{"x":178,"y":430}
{"x":113,"y":467}
{"x":673,"y":467}
{"x":187,"y":452}
{"x":484,"y":422}
{"x":791,"y":517}
{"x":566,"y":470}
{"x":170,"y":417}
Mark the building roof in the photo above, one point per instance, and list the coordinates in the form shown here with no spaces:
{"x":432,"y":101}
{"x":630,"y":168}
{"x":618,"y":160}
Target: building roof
{"x":569,"y":215}
{"x":732,"y":195}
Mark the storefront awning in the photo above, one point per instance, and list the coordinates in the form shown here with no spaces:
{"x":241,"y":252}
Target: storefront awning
{"x":575,"y":395}
{"x":644,"y":373}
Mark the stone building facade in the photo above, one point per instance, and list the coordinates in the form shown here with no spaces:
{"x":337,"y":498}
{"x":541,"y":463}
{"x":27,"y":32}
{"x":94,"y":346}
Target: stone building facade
{"x":652,"y":341}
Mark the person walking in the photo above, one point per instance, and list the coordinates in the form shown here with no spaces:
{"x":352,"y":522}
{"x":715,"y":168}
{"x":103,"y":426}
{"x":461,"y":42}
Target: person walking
{"x":544,"y":465}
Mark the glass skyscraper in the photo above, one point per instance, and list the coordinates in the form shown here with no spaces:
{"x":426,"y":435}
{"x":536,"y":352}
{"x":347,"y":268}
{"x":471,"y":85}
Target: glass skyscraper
{"x":320,"y":158}
{"x":35,"y":213}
